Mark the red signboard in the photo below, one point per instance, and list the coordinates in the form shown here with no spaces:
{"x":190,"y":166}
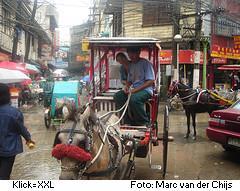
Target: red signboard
{"x":165,"y":56}
{"x":185,"y":57}
{"x":224,"y":52}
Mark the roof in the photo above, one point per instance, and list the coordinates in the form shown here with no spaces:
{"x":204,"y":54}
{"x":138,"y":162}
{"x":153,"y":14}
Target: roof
{"x":66,"y":87}
{"x":123,"y":41}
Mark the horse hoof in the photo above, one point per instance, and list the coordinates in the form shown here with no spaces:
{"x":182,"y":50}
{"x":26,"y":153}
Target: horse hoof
{"x":194,"y":138}
{"x":186,"y":136}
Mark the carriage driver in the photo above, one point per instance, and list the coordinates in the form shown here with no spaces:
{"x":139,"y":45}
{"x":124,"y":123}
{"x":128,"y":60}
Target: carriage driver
{"x":141,"y":78}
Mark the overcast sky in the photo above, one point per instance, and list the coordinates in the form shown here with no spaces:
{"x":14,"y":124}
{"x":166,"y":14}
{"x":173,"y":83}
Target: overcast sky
{"x":71,"y":12}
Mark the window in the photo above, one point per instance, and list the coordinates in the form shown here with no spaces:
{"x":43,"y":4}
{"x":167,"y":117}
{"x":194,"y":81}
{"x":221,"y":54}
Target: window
{"x":226,"y":26}
{"x":157,"y":12}
{"x":6,"y":21}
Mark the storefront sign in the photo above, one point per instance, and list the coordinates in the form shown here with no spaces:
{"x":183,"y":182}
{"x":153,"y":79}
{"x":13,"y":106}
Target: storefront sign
{"x":165,"y":56}
{"x":85,"y":44}
{"x":224,"y":52}
{"x":185,"y":57}
{"x":236,"y":40}
{"x":82,"y":58}
{"x":197,"y":57}
{"x":219,"y":61}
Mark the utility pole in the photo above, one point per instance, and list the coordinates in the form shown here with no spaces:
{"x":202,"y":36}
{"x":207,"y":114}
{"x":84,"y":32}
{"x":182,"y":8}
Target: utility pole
{"x":176,"y":30}
{"x":198,"y":28}
{"x":16,"y":31}
{"x":205,"y":41}
{"x":28,"y":36}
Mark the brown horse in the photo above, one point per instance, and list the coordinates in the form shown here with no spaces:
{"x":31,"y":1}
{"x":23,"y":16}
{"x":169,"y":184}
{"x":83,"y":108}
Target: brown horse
{"x":83,"y":150}
{"x":194,"y":101}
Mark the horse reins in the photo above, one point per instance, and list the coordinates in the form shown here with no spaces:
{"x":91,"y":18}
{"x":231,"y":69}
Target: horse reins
{"x":124,"y":108}
{"x":182,"y":98}
{"x":71,"y":133}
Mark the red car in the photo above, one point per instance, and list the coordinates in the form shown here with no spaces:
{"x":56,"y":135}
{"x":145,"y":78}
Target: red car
{"x":224,"y":127}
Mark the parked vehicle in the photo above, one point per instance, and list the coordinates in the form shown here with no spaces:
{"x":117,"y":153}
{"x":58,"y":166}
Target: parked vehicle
{"x":63,"y":91}
{"x":224,"y":127}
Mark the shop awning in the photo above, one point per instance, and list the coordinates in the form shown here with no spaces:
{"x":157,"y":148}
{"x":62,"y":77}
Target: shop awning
{"x":229,"y":67}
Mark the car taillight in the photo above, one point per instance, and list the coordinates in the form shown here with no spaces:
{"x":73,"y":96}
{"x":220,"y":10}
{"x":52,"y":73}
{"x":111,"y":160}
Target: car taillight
{"x":216,"y":122}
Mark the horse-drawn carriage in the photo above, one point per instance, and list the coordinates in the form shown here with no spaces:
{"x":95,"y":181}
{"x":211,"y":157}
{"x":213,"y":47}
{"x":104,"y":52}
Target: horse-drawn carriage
{"x":137,"y":141}
{"x":62,"y":92}
{"x":197,"y":101}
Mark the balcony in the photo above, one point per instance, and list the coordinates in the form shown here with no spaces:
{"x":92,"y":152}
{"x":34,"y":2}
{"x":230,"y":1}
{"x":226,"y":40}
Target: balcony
{"x":113,"y":6}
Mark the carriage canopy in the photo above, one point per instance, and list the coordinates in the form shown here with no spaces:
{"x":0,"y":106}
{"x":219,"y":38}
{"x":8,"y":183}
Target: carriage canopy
{"x":104,"y":50}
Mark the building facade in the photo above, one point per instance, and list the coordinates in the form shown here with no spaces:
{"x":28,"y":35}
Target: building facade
{"x":196,"y":20}
{"x":7,"y":28}
{"x":223,"y":49}
{"x":79,"y":59}
{"x":22,"y":33}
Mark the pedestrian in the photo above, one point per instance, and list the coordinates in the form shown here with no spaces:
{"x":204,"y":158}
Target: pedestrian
{"x":11,"y":129}
{"x":123,"y":60}
{"x":236,"y":82}
{"x":141,"y":78}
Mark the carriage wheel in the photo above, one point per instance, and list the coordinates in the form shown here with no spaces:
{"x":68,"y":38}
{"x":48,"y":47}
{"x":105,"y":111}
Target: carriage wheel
{"x":165,"y":140}
{"x":47,"y":120}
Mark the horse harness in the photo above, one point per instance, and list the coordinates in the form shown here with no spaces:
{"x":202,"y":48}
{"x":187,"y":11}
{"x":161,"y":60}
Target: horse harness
{"x":196,"y":92}
{"x":112,"y":166}
{"x":88,"y":145}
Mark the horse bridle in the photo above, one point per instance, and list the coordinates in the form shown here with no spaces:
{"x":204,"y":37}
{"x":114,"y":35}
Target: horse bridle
{"x":173,"y":87}
{"x":83,"y":167}
{"x":176,"y":88}
{"x":89,"y":127}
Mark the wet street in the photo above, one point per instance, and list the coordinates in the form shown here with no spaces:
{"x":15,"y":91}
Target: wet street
{"x":187,"y":159}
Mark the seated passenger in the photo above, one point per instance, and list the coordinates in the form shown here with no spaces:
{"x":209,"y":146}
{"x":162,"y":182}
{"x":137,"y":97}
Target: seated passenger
{"x":141,"y":78}
{"x":123,"y":60}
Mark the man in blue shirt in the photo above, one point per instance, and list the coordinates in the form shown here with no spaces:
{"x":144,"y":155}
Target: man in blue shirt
{"x":11,"y":129}
{"x":141,"y":78}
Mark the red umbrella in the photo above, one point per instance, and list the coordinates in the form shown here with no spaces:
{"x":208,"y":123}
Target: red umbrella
{"x":13,"y":66}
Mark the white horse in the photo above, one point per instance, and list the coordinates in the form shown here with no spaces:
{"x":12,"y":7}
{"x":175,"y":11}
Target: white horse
{"x":89,"y":147}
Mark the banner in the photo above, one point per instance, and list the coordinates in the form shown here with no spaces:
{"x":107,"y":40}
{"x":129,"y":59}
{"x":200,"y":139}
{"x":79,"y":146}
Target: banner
{"x":185,"y":57}
{"x":224,"y":52}
{"x":117,"y":185}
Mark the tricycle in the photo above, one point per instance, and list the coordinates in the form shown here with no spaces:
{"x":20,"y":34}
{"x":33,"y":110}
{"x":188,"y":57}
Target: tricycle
{"x":63,"y":91}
